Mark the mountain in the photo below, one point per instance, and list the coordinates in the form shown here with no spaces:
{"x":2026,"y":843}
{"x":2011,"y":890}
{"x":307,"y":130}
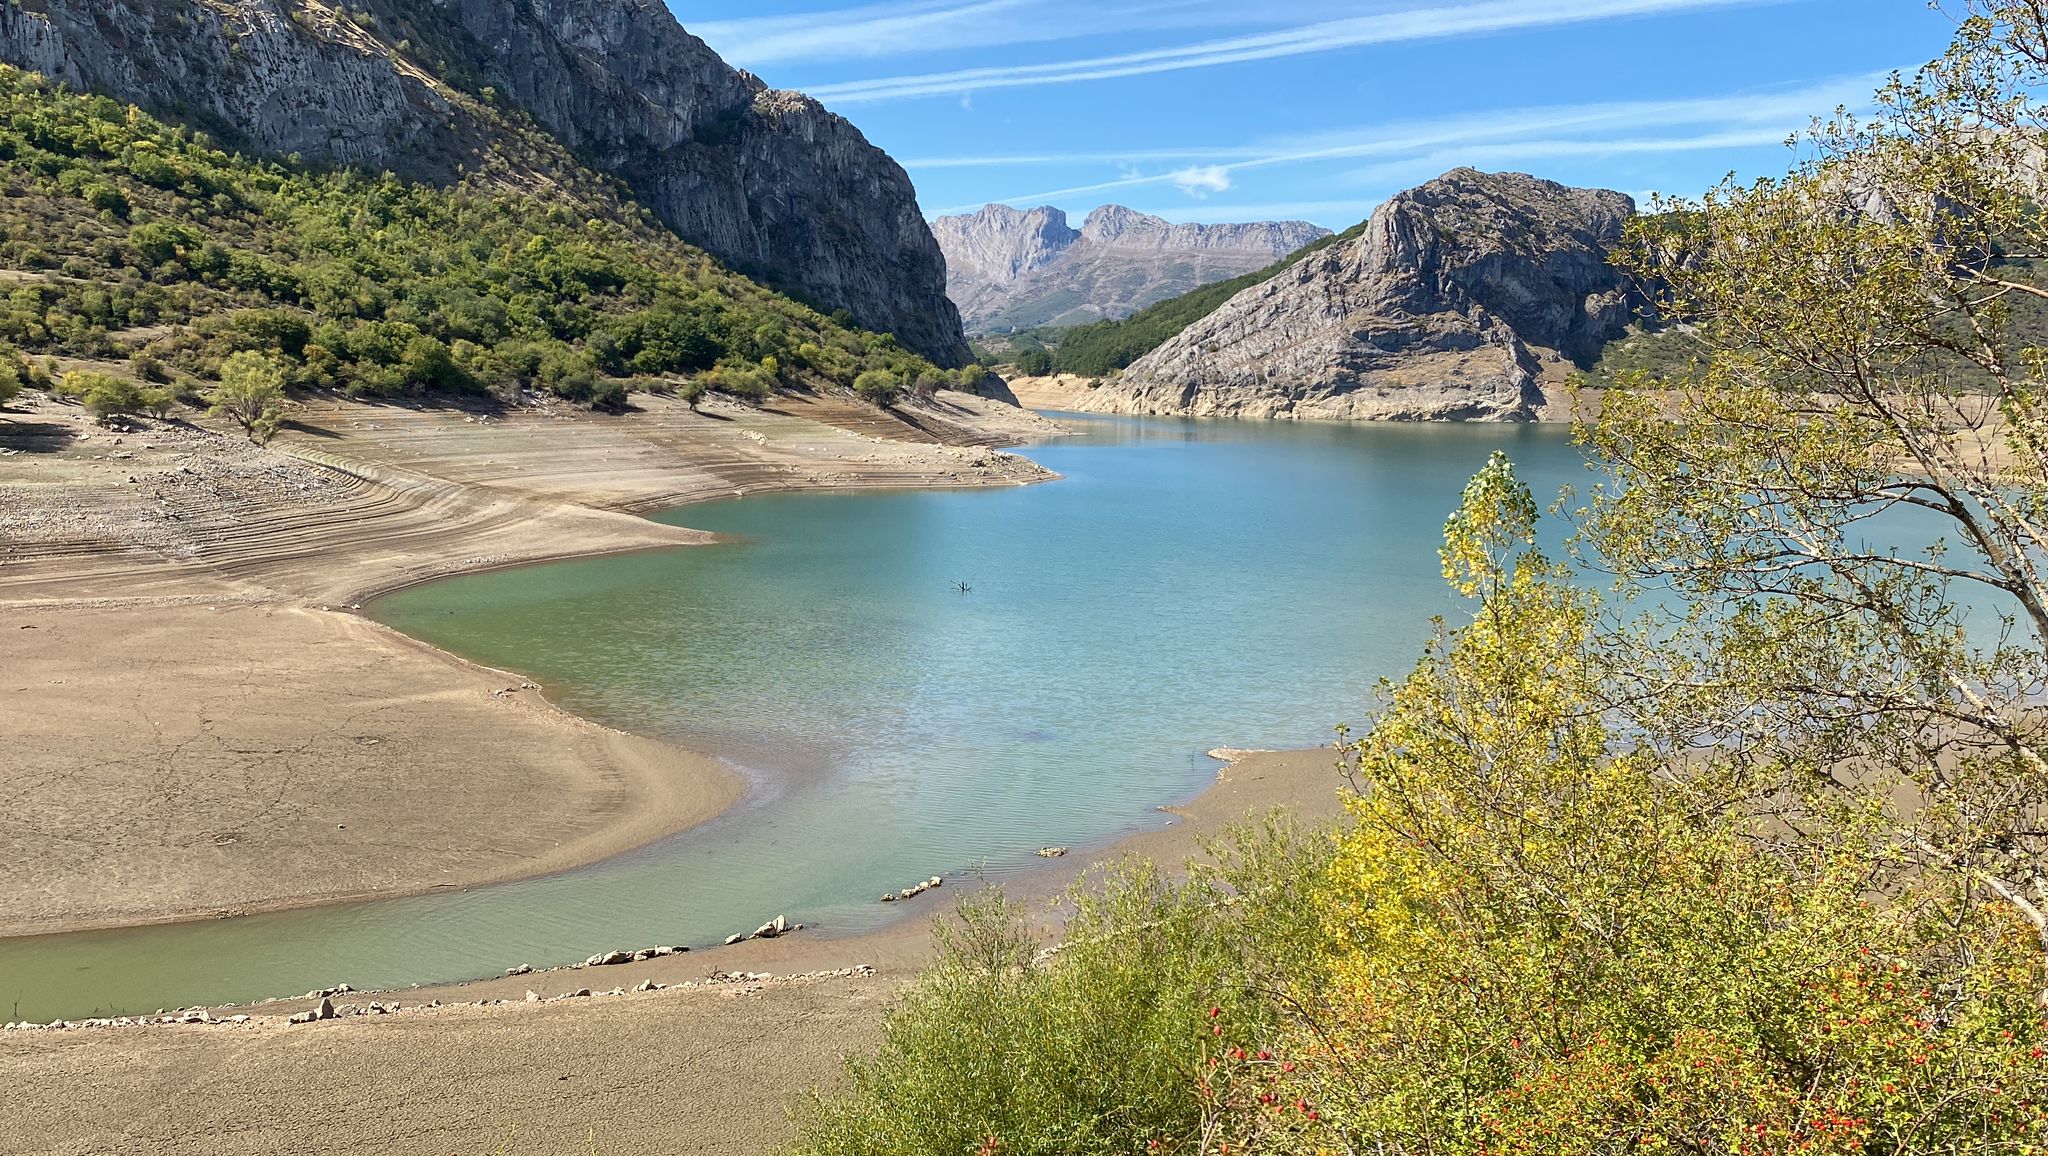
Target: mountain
{"x":1460,"y":300}
{"x":433,"y":90}
{"x":1010,"y":269}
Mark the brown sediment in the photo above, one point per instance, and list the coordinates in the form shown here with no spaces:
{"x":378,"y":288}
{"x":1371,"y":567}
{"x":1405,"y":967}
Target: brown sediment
{"x":709,"y":1068}
{"x":199,"y":724}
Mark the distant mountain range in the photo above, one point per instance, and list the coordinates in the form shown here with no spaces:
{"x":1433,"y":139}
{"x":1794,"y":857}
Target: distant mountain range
{"x":1010,"y":269}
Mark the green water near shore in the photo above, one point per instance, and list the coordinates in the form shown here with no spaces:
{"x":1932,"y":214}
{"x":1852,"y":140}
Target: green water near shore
{"x":1185,"y":586}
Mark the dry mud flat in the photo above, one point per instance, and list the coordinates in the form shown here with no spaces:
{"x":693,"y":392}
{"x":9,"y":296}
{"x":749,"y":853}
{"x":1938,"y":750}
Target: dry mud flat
{"x":198,"y":725}
{"x":709,"y":1068}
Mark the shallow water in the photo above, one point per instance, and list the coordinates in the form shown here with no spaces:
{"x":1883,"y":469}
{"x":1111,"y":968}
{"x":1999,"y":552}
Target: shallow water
{"x":1186,"y":586}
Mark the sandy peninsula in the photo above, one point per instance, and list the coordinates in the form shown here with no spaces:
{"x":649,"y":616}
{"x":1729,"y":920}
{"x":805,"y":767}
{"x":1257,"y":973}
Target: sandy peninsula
{"x":200,"y":724}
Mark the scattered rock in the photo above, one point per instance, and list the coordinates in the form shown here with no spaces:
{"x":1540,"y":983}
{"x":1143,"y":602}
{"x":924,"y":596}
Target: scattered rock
{"x":522,"y":969}
{"x":609,"y":959}
{"x":532,"y":996}
{"x":1051,"y":852}
{"x":732,"y":939}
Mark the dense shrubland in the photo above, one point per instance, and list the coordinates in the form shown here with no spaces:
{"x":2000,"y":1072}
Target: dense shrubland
{"x":1724,"y":836}
{"x":127,"y":237}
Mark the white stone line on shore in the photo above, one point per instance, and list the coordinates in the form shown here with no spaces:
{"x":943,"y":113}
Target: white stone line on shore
{"x":747,"y":983}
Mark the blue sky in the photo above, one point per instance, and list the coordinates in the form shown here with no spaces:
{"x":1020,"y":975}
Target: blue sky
{"x":1234,"y":110}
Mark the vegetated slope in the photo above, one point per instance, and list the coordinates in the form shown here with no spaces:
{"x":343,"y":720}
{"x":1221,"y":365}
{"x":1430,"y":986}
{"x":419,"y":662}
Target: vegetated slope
{"x":770,"y":182}
{"x":1461,"y":300}
{"x":125,"y":235}
{"x":1010,"y":270}
{"x":1107,"y":346}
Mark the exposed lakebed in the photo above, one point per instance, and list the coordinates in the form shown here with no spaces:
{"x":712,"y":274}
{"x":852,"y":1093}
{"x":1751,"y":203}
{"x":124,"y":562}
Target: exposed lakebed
{"x":914,"y":683}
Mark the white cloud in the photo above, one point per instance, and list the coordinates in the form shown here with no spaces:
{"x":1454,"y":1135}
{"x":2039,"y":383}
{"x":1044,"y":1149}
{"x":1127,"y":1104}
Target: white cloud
{"x":1427,"y":23}
{"x":1201,"y":180}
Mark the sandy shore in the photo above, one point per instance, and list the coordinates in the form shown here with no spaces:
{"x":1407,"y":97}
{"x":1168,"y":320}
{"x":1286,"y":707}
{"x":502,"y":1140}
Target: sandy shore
{"x":708,"y":1069}
{"x":201,"y":726}
{"x":204,"y":726}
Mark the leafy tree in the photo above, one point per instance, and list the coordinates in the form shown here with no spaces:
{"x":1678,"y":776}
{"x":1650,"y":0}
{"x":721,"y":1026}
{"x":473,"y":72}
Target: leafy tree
{"x":879,"y":386}
{"x":251,"y":394}
{"x":1862,"y":379}
{"x":1035,"y":362}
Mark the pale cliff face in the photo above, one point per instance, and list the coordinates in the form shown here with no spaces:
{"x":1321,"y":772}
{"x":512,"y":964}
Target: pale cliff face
{"x":770,"y":182}
{"x":1010,"y":269}
{"x":1459,"y":300}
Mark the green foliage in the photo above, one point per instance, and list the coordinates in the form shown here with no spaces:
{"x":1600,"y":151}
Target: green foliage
{"x":251,"y":394}
{"x":362,"y":282}
{"x":879,"y":386}
{"x":105,"y":397}
{"x":1036,"y":362}
{"x":744,"y":382}
{"x":1106,"y":346}
{"x":1093,"y":1049}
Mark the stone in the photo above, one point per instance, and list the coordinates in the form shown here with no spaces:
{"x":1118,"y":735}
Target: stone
{"x":522,"y":969}
{"x":1051,"y":852}
{"x":732,"y":939}
{"x":579,"y":993}
{"x":1464,"y":298}
{"x":773,"y":928}
{"x":532,"y":996}
{"x":325,"y":1011}
{"x":1018,"y":269}
{"x":609,"y":959}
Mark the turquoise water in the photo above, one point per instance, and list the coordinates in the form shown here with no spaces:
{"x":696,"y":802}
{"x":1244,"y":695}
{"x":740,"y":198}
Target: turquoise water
{"x":1185,"y":586}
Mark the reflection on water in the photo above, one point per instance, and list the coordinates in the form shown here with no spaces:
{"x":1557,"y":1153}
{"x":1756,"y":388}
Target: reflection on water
{"x":1186,"y":586}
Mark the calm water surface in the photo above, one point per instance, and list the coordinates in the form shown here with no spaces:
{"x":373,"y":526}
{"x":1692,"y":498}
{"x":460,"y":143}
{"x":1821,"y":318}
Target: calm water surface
{"x":1186,"y":586}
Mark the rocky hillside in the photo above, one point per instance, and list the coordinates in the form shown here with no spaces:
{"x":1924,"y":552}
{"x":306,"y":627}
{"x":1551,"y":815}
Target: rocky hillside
{"x":1011,"y":269}
{"x":769,"y":182}
{"x":1462,"y":299}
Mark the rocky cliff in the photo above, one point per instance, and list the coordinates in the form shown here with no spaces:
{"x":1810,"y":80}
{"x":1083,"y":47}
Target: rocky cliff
{"x":768,"y":181}
{"x":1462,"y":300}
{"x":1013,"y":269}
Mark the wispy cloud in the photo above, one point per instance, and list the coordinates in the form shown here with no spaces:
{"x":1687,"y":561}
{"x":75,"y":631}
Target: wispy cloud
{"x":1493,"y":137}
{"x":1425,"y":23}
{"x":1201,"y":180}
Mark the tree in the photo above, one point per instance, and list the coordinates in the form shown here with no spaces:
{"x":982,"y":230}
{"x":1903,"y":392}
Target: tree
{"x":251,"y":394}
{"x":879,"y":386}
{"x":1871,"y":328}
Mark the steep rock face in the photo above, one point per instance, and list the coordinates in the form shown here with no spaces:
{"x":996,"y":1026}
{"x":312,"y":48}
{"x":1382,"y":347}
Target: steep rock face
{"x":1460,"y":301}
{"x":1013,"y":269}
{"x":769,"y":181}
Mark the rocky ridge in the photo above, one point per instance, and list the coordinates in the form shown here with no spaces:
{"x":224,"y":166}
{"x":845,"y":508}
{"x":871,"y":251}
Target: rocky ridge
{"x":1019,"y":268}
{"x":1463,"y":300}
{"x":770,"y":182}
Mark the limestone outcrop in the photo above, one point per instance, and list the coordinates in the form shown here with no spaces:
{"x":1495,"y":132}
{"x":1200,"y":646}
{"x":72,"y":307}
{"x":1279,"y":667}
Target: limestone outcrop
{"x":1464,"y":299}
{"x":1011,"y":269}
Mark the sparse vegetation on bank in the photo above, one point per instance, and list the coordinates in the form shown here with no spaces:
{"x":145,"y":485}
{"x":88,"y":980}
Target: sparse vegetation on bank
{"x":1755,"y":870}
{"x":124,"y":236}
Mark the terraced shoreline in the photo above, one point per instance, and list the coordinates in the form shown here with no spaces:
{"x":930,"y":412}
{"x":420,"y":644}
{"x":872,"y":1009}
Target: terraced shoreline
{"x":204,"y":728}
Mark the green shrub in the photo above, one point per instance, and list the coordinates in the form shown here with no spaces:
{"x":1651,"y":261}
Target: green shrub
{"x":745,"y":382}
{"x":105,"y":397}
{"x":1095,"y":1048}
{"x":1034,"y":363}
{"x":879,"y":386}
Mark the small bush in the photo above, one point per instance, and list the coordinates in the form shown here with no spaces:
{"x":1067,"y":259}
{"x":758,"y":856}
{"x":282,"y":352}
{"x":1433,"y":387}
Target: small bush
{"x":879,"y":386}
{"x":104,"y":397}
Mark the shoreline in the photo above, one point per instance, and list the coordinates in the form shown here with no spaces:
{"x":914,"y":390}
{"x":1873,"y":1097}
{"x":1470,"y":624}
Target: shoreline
{"x":623,"y":792}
